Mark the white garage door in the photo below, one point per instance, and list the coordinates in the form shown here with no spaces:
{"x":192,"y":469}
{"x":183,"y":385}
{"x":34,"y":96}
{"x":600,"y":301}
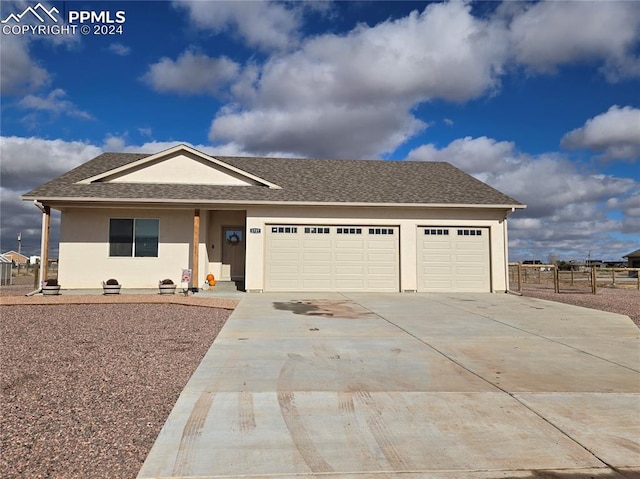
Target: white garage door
{"x":453,"y":259}
{"x":331,"y":258}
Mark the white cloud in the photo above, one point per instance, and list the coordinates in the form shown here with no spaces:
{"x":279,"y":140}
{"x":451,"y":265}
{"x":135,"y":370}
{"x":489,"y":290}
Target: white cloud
{"x":191,"y":73}
{"x":114,"y":144}
{"x":29,"y":162}
{"x":352,"y":95}
{"x":566,"y":207}
{"x":53,"y":103}
{"x":616,"y":133}
{"x":477,"y":156}
{"x":545,"y":35}
{"x":318,"y":132}
{"x":19,"y":74}
{"x":266,"y":25}
{"x":120,"y":49}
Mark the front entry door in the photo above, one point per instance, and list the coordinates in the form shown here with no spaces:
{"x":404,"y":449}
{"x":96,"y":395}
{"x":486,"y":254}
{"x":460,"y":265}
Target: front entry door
{"x":233,"y":250}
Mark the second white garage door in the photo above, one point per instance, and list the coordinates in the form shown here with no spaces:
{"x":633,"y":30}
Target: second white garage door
{"x":453,"y":259}
{"x":331,"y":258}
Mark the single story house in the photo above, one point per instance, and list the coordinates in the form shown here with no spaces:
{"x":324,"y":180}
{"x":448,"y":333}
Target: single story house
{"x":15,"y":257}
{"x":277,"y":224}
{"x":633,"y":259}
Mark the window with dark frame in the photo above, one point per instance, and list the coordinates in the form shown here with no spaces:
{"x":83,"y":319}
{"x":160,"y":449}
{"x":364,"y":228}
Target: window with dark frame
{"x":316,"y":230}
{"x":133,"y":237}
{"x":349,"y":231}
{"x":284,"y":229}
{"x":469,"y":232}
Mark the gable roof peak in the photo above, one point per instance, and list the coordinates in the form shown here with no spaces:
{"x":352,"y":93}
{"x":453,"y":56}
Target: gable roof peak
{"x":147,"y":161}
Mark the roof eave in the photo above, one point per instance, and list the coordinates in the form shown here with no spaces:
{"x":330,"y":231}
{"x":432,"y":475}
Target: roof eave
{"x":174,"y":202}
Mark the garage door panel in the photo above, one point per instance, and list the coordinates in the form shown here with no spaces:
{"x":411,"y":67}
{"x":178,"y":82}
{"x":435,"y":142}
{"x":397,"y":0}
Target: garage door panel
{"x":453,"y":259}
{"x":282,"y":243}
{"x":353,"y":269}
{"x":382,"y":243}
{"x":354,"y":256}
{"x":315,"y":284}
{"x":438,"y":270}
{"x":470,"y":259}
{"x":276,"y":269}
{"x":283,"y":257}
{"x":316,"y":243}
{"x":349,"y":243}
{"x":284,"y":284}
{"x":318,"y":268}
{"x":380,"y":270}
{"x":350,"y":284}
{"x":381,"y":257}
{"x":312,"y":256}
{"x":430,"y":253}
{"x":353,"y":259}
{"x":379,"y":284}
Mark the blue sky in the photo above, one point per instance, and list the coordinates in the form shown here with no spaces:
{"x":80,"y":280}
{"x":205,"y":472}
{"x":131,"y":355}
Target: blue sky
{"x":540,"y":100}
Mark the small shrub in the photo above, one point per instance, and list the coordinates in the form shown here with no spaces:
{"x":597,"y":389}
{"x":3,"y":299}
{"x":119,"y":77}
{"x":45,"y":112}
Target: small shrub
{"x":112,"y":282}
{"x":51,"y":282}
{"x":166,"y":281}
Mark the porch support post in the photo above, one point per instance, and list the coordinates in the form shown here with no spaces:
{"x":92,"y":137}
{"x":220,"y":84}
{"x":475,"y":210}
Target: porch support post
{"x":196,"y":248}
{"x":44,"y":244}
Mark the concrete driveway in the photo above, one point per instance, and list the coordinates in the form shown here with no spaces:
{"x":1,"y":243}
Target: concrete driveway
{"x":437,"y":386}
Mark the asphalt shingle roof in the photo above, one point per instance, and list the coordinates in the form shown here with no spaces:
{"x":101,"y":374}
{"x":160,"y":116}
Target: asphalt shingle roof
{"x":302,"y":180}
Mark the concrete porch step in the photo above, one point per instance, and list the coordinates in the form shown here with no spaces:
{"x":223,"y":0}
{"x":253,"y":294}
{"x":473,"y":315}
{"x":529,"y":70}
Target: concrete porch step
{"x":224,"y":288}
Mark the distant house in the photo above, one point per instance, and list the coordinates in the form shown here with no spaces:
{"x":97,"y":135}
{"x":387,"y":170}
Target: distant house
{"x":614,"y":264}
{"x":15,"y":257}
{"x":598,"y":263}
{"x":633,"y":259}
{"x":277,"y":224}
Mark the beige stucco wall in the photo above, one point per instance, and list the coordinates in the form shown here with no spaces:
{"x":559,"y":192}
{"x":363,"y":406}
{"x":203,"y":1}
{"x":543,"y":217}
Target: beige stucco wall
{"x":84,"y":249}
{"x":407,"y":219}
{"x":84,"y":260}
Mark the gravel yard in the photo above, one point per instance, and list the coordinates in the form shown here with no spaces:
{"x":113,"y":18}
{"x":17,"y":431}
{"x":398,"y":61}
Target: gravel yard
{"x":621,"y":301}
{"x":87,"y":388}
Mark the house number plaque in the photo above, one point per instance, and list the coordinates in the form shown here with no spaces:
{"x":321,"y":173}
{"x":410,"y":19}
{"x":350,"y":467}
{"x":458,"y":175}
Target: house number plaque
{"x":254,"y":230}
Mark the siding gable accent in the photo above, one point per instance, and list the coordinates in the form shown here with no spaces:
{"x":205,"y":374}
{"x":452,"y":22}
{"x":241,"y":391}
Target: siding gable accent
{"x":179,"y":165}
